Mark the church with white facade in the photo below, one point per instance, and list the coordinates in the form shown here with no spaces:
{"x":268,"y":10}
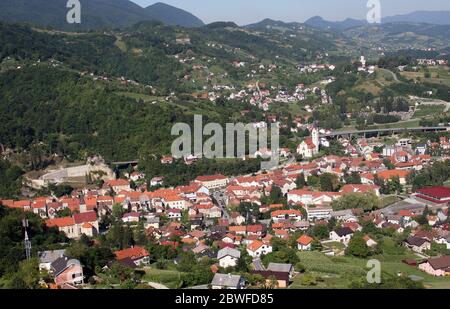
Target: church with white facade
{"x":310,"y":146}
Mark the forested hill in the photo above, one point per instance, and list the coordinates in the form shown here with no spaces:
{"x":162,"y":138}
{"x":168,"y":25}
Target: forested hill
{"x":74,"y":116}
{"x":95,"y":14}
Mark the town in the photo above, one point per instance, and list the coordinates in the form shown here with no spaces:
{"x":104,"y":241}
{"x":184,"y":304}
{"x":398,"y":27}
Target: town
{"x":263,"y":147}
{"x":271,"y":229}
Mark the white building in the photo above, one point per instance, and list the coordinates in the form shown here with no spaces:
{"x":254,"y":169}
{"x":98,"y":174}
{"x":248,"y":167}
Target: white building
{"x":228,"y":257}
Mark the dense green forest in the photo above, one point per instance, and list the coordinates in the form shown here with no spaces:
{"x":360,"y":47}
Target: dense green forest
{"x":73,"y":116}
{"x":10,"y":179}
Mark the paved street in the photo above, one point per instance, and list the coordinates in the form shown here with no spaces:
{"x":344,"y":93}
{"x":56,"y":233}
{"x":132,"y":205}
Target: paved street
{"x":220,"y":199}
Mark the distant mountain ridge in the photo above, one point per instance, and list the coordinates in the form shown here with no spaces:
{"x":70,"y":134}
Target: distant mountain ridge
{"x":173,"y":16}
{"x":427,"y":17}
{"x":95,"y":14}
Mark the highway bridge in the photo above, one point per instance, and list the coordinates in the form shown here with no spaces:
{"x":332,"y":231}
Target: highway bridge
{"x":380,"y":132}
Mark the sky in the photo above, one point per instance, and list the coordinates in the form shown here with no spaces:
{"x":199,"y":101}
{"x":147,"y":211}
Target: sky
{"x":245,"y":12}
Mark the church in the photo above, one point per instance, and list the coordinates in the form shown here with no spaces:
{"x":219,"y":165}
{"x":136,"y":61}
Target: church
{"x":310,"y":146}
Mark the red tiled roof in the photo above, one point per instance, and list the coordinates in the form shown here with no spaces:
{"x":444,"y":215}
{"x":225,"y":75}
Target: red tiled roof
{"x":211,"y":178}
{"x":304,"y":240}
{"x":255,"y":245}
{"x":85,"y":217}
{"x":436,"y":192}
{"x":393,"y":173}
{"x":60,"y":222}
{"x":134,"y":253}
{"x":117,"y":182}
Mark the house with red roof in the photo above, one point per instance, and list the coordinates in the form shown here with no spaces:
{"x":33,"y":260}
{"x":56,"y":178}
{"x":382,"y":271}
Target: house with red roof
{"x":304,"y":243}
{"x":77,"y":225}
{"x":360,"y":188}
{"x":118,"y":185}
{"x":290,"y":214}
{"x":438,"y":195}
{"x":390,"y":174}
{"x":137,"y":255}
{"x":213,"y":182}
{"x":258,"y":248}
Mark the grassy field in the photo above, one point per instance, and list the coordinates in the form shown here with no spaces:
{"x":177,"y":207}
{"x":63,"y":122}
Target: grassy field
{"x":401,"y":124}
{"x":169,"y":278}
{"x":429,"y":110}
{"x":138,"y":96}
{"x":388,"y":200}
{"x":376,"y":82}
{"x":339,"y":272}
{"x":438,"y":75}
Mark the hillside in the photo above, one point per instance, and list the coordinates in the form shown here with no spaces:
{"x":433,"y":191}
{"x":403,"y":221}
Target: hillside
{"x":76,"y":93}
{"x":172,"y":15}
{"x":320,"y":23}
{"x":95,"y":14}
{"x":417,"y":17}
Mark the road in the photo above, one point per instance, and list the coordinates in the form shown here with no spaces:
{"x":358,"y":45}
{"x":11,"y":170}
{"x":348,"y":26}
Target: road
{"x":389,"y":130}
{"x":258,"y":264}
{"x":393,"y":75}
{"x":407,"y":204}
{"x":220,"y":199}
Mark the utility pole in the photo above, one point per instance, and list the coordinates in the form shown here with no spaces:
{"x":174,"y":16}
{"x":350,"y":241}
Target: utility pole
{"x":27,"y":240}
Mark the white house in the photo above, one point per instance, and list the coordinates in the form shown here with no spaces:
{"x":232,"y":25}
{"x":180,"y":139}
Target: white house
{"x":213,"y":182}
{"x":444,"y":241}
{"x":131,"y":217}
{"x":417,"y":244}
{"x":304,"y":243}
{"x":342,"y":235}
{"x":258,"y":248}
{"x":228,"y":257}
{"x":174,"y":214}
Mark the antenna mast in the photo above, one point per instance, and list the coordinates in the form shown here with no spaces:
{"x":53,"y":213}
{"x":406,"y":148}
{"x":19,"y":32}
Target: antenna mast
{"x":27,"y":240}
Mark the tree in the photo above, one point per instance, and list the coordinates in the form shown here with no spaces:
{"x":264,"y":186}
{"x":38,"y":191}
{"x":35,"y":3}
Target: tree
{"x":27,"y":277}
{"x":300,"y":181}
{"x":388,"y":164}
{"x":66,"y":212}
{"x":320,"y":231}
{"x":276,"y":195}
{"x":357,"y":247}
{"x":366,"y":201}
{"x":140,"y":235}
{"x":186,"y":261}
{"x":352,"y":178}
{"x":117,"y":210}
{"x":313,"y":181}
{"x":329,"y":182}
{"x":10,"y":179}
